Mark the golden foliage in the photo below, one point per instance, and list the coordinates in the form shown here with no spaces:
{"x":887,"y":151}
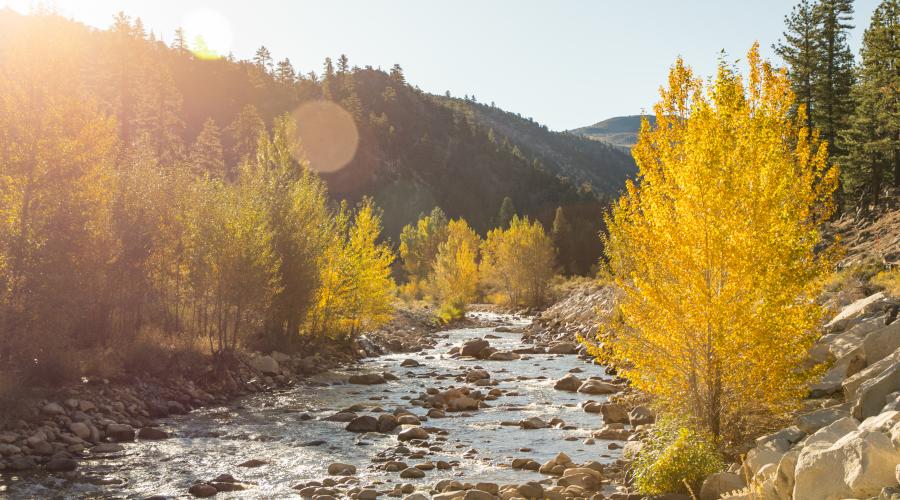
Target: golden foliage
{"x":713,"y":249}
{"x":455,"y":276}
{"x":518,"y":262}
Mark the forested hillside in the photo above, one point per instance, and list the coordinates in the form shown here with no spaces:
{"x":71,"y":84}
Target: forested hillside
{"x":415,"y":151}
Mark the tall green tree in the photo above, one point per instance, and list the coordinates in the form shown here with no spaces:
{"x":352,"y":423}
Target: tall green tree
{"x":507,"y":212}
{"x":834,"y":81}
{"x":562,"y":236}
{"x":801,"y":51}
{"x":873,"y":137}
{"x":206,"y":153}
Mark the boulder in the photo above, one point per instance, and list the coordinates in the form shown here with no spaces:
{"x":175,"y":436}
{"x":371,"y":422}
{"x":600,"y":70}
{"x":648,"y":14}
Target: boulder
{"x":872,"y":394}
{"x":853,"y":382}
{"x":202,"y":490}
{"x":757,"y":458}
{"x":61,"y":465}
{"x":80,"y":429}
{"x":410,"y":363}
{"x":367,"y":379}
{"x":265,"y":364}
{"x":476,"y":375}
{"x":365,"y":423}
{"x":473,"y":347}
{"x":783,"y":482}
{"x":569,"y":383}
{"x":716,"y":485}
{"x":641,"y":415}
{"x":563,"y":348}
{"x":815,"y":420}
{"x":614,"y":413}
{"x":412,"y":473}
{"x":53,"y":409}
{"x":853,"y":310}
{"x":594,"y":386}
{"x":387,"y":423}
{"x":533,"y":423}
{"x":858,"y":465}
{"x":120,"y":432}
{"x":503,"y":356}
{"x":339,"y":469}
{"x":412,"y":433}
{"x":461,"y":403}
{"x":152,"y":433}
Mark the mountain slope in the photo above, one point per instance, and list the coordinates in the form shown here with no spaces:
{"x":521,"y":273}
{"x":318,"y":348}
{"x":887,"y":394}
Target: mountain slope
{"x":620,"y":131}
{"x":568,"y":155}
{"x":415,"y":150}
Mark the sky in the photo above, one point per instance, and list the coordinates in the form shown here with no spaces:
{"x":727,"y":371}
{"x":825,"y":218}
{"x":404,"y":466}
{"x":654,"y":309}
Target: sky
{"x":565,"y":63}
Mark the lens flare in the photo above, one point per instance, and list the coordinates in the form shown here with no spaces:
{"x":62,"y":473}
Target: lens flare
{"x":208,"y":33}
{"x":327,"y":135}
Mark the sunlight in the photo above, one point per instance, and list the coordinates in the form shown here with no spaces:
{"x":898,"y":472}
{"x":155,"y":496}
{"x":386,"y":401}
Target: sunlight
{"x":209,"y":33}
{"x":327,"y":133}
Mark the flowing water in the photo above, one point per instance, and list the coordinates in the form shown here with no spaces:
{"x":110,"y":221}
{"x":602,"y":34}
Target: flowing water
{"x":276,"y":427}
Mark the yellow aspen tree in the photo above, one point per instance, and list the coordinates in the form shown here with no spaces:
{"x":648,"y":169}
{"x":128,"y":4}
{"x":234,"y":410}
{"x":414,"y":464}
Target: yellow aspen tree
{"x":518,"y":262}
{"x":455,"y":275}
{"x":713,"y":249}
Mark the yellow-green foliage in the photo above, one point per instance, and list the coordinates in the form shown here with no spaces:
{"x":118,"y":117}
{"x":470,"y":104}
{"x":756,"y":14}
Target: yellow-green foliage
{"x":455,"y":274}
{"x":419,"y":246}
{"x":713,"y":249}
{"x":674,"y":458}
{"x":889,"y":280}
{"x":518,"y":262}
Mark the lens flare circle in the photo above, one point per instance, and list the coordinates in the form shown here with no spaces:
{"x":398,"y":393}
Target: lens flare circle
{"x":208,"y":33}
{"x":327,"y":135}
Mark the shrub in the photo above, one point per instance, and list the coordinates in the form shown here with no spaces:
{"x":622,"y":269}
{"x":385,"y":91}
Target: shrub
{"x":675,"y":458}
{"x":451,"y":311}
{"x":889,"y":280}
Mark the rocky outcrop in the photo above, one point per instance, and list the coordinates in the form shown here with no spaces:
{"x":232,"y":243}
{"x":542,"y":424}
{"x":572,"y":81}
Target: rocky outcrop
{"x":848,"y":444}
{"x":577,"y":313}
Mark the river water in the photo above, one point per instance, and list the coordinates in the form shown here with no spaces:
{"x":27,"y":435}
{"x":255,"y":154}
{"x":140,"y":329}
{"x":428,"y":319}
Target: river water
{"x":277,"y":427}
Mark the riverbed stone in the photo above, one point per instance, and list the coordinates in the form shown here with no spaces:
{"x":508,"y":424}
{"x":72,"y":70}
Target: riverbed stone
{"x":120,"y":432}
{"x":594,"y":387}
{"x":533,"y":423}
{"x":203,"y":490}
{"x":53,"y":409}
{"x":412,"y":433}
{"x":80,"y":429}
{"x":412,"y":473}
{"x":265,"y":364}
{"x":614,"y":413}
{"x":473,"y":347}
{"x":152,"y":433}
{"x":61,"y":464}
{"x":340,"y":469}
{"x":365,"y":423}
{"x":569,"y":383}
{"x":367,"y":379}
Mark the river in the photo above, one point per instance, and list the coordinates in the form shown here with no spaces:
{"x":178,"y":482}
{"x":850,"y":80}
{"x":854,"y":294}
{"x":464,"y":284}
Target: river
{"x":283,"y":428}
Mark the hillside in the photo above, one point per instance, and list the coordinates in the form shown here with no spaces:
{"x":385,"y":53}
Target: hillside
{"x":569,"y":155}
{"x":415,"y":150}
{"x":620,"y":131}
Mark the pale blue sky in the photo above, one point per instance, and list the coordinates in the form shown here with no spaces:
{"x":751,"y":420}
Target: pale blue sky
{"x":566,"y":63}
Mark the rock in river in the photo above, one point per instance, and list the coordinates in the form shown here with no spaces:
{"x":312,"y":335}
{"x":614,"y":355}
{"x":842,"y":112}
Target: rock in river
{"x":365,"y":423}
{"x":569,"y":383}
{"x":367,"y":379}
{"x":339,"y":469}
{"x":413,"y":433}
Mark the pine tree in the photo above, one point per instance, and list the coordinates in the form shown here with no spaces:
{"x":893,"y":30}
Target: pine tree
{"x":263,"y":59}
{"x":397,"y":75}
{"x":284,"y":72}
{"x":343,"y":65}
{"x":206,"y":153}
{"x":832,"y":86}
{"x":507,"y":212}
{"x":562,"y":236}
{"x":180,"y":43}
{"x":800,"y":50}
{"x":243,"y":135}
{"x":873,"y":137}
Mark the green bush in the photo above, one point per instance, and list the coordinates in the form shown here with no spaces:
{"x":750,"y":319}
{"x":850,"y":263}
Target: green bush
{"x":451,"y":311}
{"x":673,"y":458}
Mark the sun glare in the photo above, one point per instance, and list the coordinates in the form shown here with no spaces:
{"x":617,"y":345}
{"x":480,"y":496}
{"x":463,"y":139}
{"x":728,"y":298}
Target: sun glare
{"x":208,"y":33}
{"x":327,"y":135}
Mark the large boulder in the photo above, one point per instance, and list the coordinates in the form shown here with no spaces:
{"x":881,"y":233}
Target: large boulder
{"x":473,"y":347}
{"x":265,"y":364}
{"x":872,"y":395}
{"x":858,"y":465}
{"x":339,"y":469}
{"x":461,"y":403}
{"x":120,"y":432}
{"x":715,"y":485}
{"x":365,"y":423}
{"x":641,"y":415}
{"x":854,"y":310}
{"x":815,"y":420}
{"x":852,"y":383}
{"x":614,"y":413}
{"x":412,"y":433}
{"x":563,"y":348}
{"x":569,"y":383}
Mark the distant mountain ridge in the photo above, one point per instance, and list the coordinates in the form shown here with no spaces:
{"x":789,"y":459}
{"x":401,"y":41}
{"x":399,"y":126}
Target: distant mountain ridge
{"x":620,"y":131}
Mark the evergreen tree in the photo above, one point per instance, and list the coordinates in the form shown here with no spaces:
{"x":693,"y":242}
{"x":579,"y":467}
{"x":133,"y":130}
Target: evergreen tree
{"x":800,"y":50}
{"x":507,"y":212}
{"x":834,"y":81}
{"x":873,"y":137}
{"x":158,"y":116}
{"x":562,"y":236}
{"x":180,"y":43}
{"x":263,"y":59}
{"x":243,"y":135}
{"x":206,"y":152}
{"x":284,"y":72}
{"x":397,"y":75}
{"x":343,"y":66}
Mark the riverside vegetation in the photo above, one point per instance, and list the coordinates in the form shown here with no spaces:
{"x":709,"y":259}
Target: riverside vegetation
{"x":155,"y":266}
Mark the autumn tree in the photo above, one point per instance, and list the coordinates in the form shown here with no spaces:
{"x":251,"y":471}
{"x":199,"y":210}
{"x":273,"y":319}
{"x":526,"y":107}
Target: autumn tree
{"x":454,"y":278}
{"x":507,"y":212}
{"x":419,"y":246}
{"x":713,"y":250}
{"x":518,"y":262}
